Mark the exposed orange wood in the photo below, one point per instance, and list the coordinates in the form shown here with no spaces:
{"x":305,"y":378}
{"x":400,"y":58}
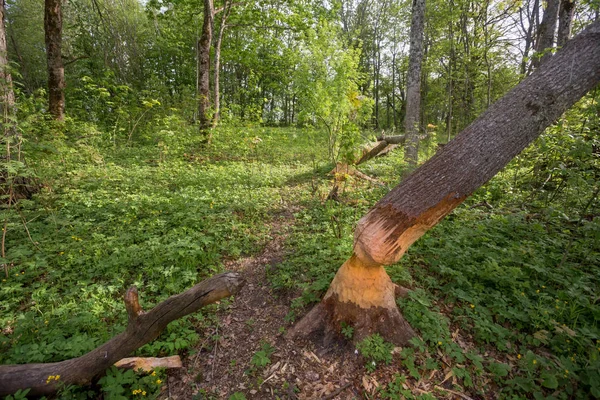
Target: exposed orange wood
{"x":363,"y":285}
{"x":385,"y":233}
{"x":149,"y":363}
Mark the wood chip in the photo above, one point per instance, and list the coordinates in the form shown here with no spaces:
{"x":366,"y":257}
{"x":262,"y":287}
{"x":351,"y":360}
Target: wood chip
{"x":149,"y":363}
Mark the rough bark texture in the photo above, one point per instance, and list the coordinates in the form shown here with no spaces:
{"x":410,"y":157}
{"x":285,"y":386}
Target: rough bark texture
{"x":56,"y":69}
{"x":141,"y":329}
{"x":413,"y":83}
{"x":7,"y":95}
{"x":432,"y":191}
{"x":546,"y":33}
{"x":480,"y":151}
{"x":204,"y":68}
{"x":217,"y":72}
{"x":565,"y":21}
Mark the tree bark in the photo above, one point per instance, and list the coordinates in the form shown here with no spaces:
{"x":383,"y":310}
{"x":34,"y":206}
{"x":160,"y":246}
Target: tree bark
{"x":413,"y":84}
{"x":546,"y":33}
{"x":217,"y":72}
{"x":204,"y":69}
{"x":141,"y":329}
{"x":7,"y":95}
{"x":565,"y":21}
{"x":361,"y":294}
{"x":56,"y":69}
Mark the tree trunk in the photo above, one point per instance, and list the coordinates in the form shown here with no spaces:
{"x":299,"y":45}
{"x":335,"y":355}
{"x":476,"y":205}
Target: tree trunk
{"x":56,"y":69}
{"x":565,"y":21}
{"x":546,"y":33}
{"x":7,"y":95}
{"x":217,"y":72}
{"x":361,"y":294}
{"x":204,"y":70}
{"x":141,"y":329}
{"x":532,"y":18}
{"x":413,"y":83}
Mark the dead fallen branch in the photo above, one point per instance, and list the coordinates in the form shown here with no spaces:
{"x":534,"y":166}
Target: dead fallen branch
{"x":149,"y":363}
{"x":141,"y":328}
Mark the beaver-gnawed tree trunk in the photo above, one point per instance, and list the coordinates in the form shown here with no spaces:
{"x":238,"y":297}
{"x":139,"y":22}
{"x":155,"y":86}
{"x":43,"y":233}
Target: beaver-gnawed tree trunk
{"x":361,"y":294}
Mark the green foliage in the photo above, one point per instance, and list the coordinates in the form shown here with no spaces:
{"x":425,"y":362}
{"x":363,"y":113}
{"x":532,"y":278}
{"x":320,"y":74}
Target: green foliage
{"x":328,"y":80}
{"x":18,"y":395}
{"x":347,"y":331}
{"x":375,"y":350}
{"x":111,"y":217}
{"x":126,"y":384}
{"x":261,"y":358}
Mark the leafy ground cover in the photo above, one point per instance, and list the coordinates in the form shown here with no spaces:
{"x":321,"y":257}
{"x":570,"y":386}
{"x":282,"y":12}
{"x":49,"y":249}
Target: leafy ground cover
{"x":505,"y":298}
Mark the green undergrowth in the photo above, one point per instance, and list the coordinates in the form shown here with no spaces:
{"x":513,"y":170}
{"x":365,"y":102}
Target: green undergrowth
{"x":505,"y":289}
{"x":162,"y":213}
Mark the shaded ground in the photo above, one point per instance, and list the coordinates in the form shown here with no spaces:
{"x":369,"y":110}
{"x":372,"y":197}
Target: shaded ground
{"x":257,"y":316}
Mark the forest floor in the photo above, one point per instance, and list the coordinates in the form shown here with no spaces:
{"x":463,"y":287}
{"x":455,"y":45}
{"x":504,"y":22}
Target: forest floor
{"x":247,"y":353}
{"x":504,"y":297}
{"x":254,"y":323}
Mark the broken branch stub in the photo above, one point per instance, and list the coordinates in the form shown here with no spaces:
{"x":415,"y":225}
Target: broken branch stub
{"x":141,"y":329}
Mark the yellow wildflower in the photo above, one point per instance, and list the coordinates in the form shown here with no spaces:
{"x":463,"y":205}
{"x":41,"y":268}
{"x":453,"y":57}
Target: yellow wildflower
{"x":472,"y":305}
{"x":519,"y":356}
{"x":535,"y":361}
{"x":153,"y":373}
{"x":158,"y":381}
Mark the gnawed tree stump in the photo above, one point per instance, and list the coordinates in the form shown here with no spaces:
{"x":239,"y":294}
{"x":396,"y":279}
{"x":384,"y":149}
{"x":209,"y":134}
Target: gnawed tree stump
{"x":361,"y":294}
{"x":142,"y":328}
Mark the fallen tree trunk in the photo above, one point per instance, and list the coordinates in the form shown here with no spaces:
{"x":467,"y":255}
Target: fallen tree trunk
{"x":361,"y":294}
{"x":141,"y":329}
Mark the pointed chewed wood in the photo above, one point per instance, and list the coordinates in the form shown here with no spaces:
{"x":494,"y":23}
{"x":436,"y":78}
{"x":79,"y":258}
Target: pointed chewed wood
{"x":361,"y":294}
{"x":385,"y":233}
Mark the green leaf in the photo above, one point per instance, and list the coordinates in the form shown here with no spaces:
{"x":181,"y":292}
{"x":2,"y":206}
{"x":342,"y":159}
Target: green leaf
{"x":550,"y":380}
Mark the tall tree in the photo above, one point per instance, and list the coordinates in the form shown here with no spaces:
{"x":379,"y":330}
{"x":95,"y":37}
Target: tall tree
{"x":56,"y":69}
{"x":413,"y":83}
{"x":362,"y":295}
{"x":7,"y":95}
{"x":203,"y":48}
{"x":217,"y":72}
{"x":546,"y":33}
{"x":565,"y":21}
